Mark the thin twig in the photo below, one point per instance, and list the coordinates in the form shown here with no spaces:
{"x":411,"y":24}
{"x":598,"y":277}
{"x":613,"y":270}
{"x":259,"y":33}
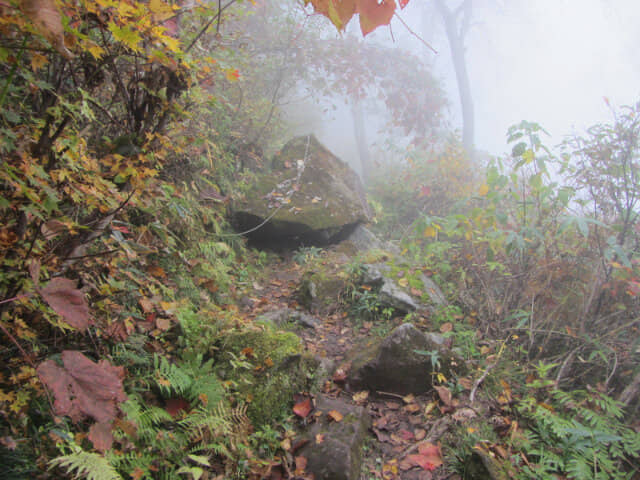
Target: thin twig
{"x":415,"y":34}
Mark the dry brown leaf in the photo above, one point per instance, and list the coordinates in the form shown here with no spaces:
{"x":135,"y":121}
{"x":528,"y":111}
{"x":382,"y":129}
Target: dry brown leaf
{"x":319,"y":438}
{"x":445,"y":395}
{"x":446,"y":327}
{"x":67,"y":301}
{"x":83,"y":388}
{"x":101,"y":437}
{"x":47,"y":18}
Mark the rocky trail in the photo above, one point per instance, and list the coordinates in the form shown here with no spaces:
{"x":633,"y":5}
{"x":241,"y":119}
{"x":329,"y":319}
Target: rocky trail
{"x":346,"y":430}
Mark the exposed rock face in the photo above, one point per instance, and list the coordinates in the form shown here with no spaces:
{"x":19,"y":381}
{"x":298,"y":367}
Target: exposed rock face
{"x":392,"y":295}
{"x":339,"y":455}
{"x":394,"y":366}
{"x":310,"y":197}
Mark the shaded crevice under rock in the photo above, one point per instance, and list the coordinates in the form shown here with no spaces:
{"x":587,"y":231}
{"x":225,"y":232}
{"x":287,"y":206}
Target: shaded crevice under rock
{"x":282,"y":235}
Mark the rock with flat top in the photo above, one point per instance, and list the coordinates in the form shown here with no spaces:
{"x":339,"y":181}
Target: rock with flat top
{"x":335,"y":447}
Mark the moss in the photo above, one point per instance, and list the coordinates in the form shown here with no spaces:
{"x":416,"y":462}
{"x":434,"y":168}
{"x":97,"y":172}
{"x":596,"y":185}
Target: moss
{"x":277,"y":370}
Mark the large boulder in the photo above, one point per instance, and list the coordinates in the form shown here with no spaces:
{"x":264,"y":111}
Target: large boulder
{"x":404,"y":362}
{"x":310,"y":197}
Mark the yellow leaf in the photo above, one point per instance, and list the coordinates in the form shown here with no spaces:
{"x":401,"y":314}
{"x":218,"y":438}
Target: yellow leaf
{"x":429,"y":232}
{"x":483,"y":190}
{"x":403,"y":282}
{"x":95,"y":50}
{"x":38,"y":61}
{"x":232,"y":74}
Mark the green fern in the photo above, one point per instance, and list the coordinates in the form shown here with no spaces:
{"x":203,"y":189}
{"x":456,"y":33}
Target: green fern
{"x":87,"y":465}
{"x":583,"y":437}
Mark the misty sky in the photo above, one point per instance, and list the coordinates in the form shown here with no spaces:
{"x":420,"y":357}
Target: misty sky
{"x":550,"y":61}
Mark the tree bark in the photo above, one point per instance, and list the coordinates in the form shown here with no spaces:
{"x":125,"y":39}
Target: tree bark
{"x":456,"y":25}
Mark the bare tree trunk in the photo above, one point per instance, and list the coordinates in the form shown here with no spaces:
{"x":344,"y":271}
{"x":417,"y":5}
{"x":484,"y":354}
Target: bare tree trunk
{"x":456,"y":23}
{"x":357,"y":113}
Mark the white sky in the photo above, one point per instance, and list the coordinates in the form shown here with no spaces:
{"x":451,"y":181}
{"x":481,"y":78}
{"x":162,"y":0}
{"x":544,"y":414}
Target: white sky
{"x":549,"y":61}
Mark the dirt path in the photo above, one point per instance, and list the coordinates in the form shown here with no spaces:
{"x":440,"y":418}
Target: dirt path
{"x":399,"y":424}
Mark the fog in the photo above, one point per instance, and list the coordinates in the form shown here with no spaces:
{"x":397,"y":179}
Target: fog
{"x":548,"y":61}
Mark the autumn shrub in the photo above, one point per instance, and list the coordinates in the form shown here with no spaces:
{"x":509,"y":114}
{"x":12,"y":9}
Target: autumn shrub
{"x":545,"y":252}
{"x":422,"y":181}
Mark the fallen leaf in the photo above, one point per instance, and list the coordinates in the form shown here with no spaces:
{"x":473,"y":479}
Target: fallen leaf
{"x":416,"y":292}
{"x":428,"y":457}
{"x":446,"y":327}
{"x":335,"y":415}
{"x":339,"y":376}
{"x":319,"y":438}
{"x":146,"y":304}
{"x":163,"y":323}
{"x":101,"y":436}
{"x":391,"y":405}
{"x":67,"y":301}
{"x":286,"y":444}
{"x":303,"y":408}
{"x":83,"y":388}
{"x":445,"y":395}
{"x":176,"y":405}
{"x":464,"y":414}
{"x":419,"y":433}
{"x":301,"y":465}
{"x":412,"y":408}
{"x":247,"y":352}
{"x":360,"y":397}
{"x":465,"y":382}
{"x":429,"y":408}
{"x":403,"y":282}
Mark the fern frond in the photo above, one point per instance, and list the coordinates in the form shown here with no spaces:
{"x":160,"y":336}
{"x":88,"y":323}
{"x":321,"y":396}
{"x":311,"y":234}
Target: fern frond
{"x":87,"y":465}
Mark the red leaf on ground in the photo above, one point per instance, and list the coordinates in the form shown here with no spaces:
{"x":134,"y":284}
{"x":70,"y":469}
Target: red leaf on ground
{"x":83,"y":388}
{"x":429,"y":456}
{"x":303,"y":408}
{"x":67,"y":301}
{"x":175,"y":405}
{"x":374,"y":14}
{"x":101,"y":437}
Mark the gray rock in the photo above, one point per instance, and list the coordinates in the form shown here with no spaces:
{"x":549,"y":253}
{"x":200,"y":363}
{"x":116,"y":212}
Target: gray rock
{"x":310,"y":197}
{"x":339,"y":455}
{"x":364,"y":240}
{"x":393,"y":365}
{"x":284,"y":316}
{"x":393,"y":296}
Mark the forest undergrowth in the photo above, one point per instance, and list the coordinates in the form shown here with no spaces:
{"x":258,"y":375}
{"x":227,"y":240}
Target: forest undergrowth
{"x":127,"y":303}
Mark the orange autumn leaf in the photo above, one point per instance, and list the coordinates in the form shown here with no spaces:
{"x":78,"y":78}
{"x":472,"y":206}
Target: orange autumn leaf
{"x":335,"y":415}
{"x":303,"y":408}
{"x":374,"y":14}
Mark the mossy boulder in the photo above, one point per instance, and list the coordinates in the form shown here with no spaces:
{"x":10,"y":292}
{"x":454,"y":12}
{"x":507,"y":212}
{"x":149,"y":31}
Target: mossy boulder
{"x":309,"y":197}
{"x":320,"y":291}
{"x":404,"y":350}
{"x":266,"y":367}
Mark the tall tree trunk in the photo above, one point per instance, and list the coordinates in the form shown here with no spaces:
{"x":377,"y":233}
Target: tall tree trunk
{"x":357,"y":113}
{"x":456,"y":23}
